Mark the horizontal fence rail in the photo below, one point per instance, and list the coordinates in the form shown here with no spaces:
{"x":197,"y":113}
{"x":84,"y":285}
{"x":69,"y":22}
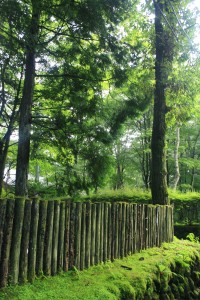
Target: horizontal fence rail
{"x":45,"y":237}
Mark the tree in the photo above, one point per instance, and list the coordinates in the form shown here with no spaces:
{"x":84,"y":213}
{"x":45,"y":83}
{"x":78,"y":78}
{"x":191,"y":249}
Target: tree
{"x":142,"y":147}
{"x":182,"y":96}
{"x":81,"y":23}
{"x":169,"y":31}
{"x":11,"y":74}
{"x":26,"y":103}
{"x":81,"y":71}
{"x":164,"y":45}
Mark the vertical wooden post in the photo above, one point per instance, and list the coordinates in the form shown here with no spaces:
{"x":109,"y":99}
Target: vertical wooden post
{"x":123,"y":229}
{"x":130,"y":239}
{"x":61,"y":237}
{"x":105,"y":242}
{"x":148,"y":226}
{"x":93,"y":234}
{"x":136,"y":228}
{"x":78,"y":235}
{"x":41,"y":236}
{"x":33,"y":240}
{"x":23,"y":264}
{"x":48,"y":238}
{"x":167,"y":224}
{"x":16,"y":240}
{"x":172,"y":223}
{"x":72,"y":235}
{"x":164,"y":224}
{"x":109,"y":231}
{"x":116,"y":232}
{"x":127,"y":230}
{"x":101,"y":232}
{"x":113,"y":230}
{"x":158,"y":225}
{"x":143,"y":227}
{"x":83,"y":237}
{"x":88,"y":235}
{"x":7,"y":236}
{"x":155,"y":236}
{"x":54,"y":263}
{"x":98,"y":230}
{"x":66,"y":237}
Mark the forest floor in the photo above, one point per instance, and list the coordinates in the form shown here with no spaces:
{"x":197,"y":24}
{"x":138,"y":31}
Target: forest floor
{"x":156,"y":273}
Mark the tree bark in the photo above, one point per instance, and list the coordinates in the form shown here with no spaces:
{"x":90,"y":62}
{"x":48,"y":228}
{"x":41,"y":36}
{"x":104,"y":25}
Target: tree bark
{"x":146,"y":155}
{"x":159,"y":171}
{"x":176,"y":156}
{"x":26,"y":105}
{"x":5,"y":141}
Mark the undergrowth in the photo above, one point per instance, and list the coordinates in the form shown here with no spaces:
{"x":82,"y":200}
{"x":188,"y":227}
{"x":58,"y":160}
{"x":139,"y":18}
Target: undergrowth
{"x":140,"y":196}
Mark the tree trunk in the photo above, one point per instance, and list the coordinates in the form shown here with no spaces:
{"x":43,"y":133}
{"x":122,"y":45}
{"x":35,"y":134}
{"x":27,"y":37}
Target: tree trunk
{"x":159,"y":171}
{"x":146,"y":161}
{"x":177,"y":171}
{"x":5,"y":141}
{"x":37,"y":173}
{"x":26,"y":105}
{"x":120,"y":177}
{"x":192,"y":179}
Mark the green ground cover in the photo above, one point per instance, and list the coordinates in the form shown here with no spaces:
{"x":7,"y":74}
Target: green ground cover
{"x":139,"y":196}
{"x":169,"y":272}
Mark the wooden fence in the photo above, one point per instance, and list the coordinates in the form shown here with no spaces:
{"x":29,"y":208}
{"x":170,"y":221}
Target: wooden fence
{"x":46,"y":237}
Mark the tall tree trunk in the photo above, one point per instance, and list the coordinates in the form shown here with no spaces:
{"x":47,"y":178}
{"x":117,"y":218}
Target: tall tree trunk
{"x":192,"y":179}
{"x":159,"y":171}
{"x":37,"y":173}
{"x":26,"y":105}
{"x":5,"y":141}
{"x":146,"y":155}
{"x":176,"y":157}
{"x":120,"y":176}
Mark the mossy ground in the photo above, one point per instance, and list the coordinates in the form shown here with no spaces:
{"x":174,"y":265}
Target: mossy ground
{"x":169,"y":272}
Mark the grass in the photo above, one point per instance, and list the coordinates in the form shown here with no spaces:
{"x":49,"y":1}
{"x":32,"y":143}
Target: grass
{"x":128,"y":278}
{"x":126,"y":194}
{"x":179,"y":196}
{"x":135,"y":195}
{"x":141,"y":196}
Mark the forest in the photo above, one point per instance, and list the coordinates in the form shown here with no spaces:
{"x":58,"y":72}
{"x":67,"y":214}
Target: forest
{"x":99,"y":94}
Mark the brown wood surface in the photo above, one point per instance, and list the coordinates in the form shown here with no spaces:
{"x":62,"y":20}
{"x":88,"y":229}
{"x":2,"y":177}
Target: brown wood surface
{"x":7,"y":238}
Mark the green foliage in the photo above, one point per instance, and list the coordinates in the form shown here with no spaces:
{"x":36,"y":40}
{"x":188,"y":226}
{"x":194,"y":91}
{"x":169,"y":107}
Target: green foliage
{"x":192,"y":238}
{"x":178,"y":196}
{"x":94,"y":82}
{"x":121,"y":195}
{"x":142,"y":196}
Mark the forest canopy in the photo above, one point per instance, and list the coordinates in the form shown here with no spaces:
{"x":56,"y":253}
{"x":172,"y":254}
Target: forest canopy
{"x":101,"y":93}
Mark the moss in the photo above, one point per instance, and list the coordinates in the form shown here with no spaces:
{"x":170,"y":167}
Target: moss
{"x":170,"y":272}
{"x":126,"y":290}
{"x":191,"y":283}
{"x":175,"y":291}
{"x":114,"y":289}
{"x":164,"y":296}
{"x":196,"y":276}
